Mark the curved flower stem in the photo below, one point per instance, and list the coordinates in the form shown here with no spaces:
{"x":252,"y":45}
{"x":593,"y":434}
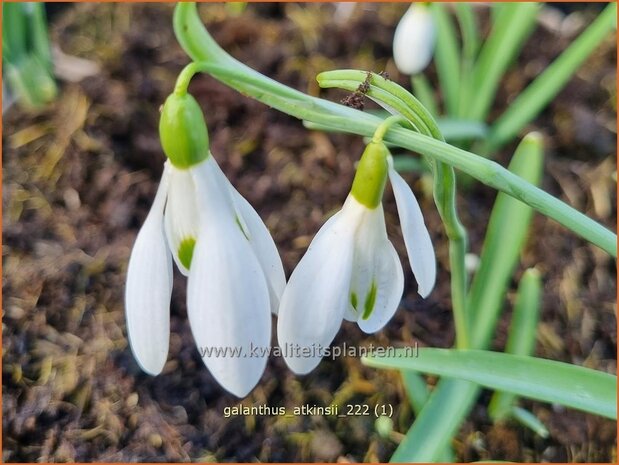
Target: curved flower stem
{"x":198,"y":43}
{"x":183,"y":79}
{"x":384,"y":127}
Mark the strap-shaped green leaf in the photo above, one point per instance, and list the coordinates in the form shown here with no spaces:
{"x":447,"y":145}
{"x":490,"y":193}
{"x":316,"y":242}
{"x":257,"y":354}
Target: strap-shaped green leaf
{"x":535,"y":378}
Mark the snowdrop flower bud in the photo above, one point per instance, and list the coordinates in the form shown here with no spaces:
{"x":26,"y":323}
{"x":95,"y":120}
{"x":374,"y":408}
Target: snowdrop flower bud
{"x":182,"y":131}
{"x":351,"y":270}
{"x":235,"y":275}
{"x":414,"y":39}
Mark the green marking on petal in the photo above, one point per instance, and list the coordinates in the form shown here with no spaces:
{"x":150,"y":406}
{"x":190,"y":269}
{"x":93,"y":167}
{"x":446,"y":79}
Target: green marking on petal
{"x":240,"y":225}
{"x":185,"y":251}
{"x":370,"y":300}
{"x":354,"y":300}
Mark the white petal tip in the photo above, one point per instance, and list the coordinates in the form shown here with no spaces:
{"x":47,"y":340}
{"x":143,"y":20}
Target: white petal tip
{"x":151,"y":365}
{"x":426,"y":280}
{"x":238,"y":376}
{"x":302,"y":365}
{"x":424,"y":293}
{"x":241,"y":387}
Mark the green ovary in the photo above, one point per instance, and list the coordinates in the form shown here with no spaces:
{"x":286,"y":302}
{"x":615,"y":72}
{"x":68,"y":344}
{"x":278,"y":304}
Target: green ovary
{"x":183,"y":132}
{"x":185,"y":251}
{"x":369,"y":183}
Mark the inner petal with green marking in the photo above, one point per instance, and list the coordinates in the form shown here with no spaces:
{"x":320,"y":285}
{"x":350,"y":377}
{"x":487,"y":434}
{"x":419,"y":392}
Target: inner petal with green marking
{"x":241,"y":226}
{"x":185,"y":251}
{"x":370,"y":301}
{"x":354,"y":300}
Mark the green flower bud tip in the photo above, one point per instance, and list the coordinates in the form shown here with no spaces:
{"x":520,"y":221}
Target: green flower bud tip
{"x":371,"y":176}
{"x":183,"y":132}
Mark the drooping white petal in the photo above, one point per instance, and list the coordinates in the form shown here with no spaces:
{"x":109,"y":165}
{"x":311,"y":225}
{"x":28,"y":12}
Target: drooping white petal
{"x":227,"y":294}
{"x":148,"y":289}
{"x":262,"y":244}
{"x":416,"y":237}
{"x":317,"y":294}
{"x":181,"y":213}
{"x":414,"y":39}
{"x":265,"y":249}
{"x":378,"y":280}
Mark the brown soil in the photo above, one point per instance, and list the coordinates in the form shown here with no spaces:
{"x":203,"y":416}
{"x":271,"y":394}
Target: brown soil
{"x":79,"y":178}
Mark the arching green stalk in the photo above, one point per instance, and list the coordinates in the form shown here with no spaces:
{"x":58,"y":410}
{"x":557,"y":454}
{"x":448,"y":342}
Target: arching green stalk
{"x":201,"y":47}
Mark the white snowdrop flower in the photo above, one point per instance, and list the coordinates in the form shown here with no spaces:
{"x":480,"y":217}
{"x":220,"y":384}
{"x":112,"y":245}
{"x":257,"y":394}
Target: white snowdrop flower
{"x":235,"y":275}
{"x":414,"y":39}
{"x":351,"y":270}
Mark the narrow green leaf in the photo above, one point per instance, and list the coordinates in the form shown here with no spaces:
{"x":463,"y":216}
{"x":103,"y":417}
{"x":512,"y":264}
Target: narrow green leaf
{"x":461,"y":129}
{"x":535,"y":378}
{"x":506,"y":234}
{"x":424,"y":93}
{"x":548,"y":84}
{"x":408,"y":164}
{"x":526,"y":418}
{"x":521,"y":340}
{"x":522,"y":332}
{"x":14,"y":30}
{"x":447,"y":58}
{"x":30,"y":82}
{"x":495,"y":11}
{"x":514,"y":24}
{"x":470,"y":46}
{"x":469,"y":28}
{"x":39,"y":34}
{"x":416,"y":388}
{"x":418,"y":394}
{"x":431,"y":433}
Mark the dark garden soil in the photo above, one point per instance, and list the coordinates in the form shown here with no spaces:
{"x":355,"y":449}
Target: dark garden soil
{"x":79,"y":178}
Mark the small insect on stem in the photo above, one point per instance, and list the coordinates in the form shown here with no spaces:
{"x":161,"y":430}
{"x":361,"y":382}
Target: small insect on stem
{"x":356,"y":100}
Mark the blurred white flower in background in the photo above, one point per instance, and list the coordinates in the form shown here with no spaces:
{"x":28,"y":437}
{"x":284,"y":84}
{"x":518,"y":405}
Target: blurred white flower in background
{"x":414,"y":39}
